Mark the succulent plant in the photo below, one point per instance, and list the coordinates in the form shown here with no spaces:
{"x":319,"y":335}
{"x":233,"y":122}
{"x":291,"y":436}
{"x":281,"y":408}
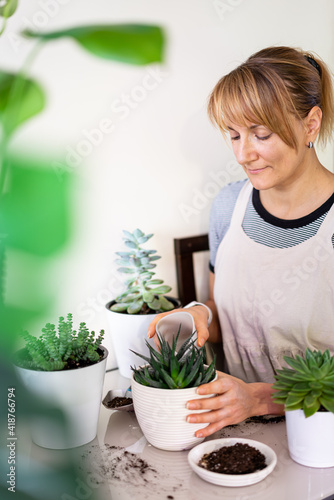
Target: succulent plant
{"x":139,"y":296}
{"x":308,"y":384}
{"x":171,"y":369}
{"x":63,"y":350}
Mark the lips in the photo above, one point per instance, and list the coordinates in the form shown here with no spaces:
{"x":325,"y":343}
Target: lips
{"x":255,"y":170}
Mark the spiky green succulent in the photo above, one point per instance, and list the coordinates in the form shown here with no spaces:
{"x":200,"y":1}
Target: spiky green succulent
{"x":308,"y":384}
{"x":60,"y":350}
{"x":140,"y":296}
{"x":171,"y":369}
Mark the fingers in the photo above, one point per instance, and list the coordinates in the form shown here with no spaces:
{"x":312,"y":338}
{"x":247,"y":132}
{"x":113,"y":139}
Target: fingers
{"x":217,"y":420}
{"x":202,"y":333}
{"x":151,"y":329}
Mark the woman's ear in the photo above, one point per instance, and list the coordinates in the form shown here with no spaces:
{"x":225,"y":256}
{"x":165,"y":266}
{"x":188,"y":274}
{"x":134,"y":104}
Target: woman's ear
{"x":313,"y":123}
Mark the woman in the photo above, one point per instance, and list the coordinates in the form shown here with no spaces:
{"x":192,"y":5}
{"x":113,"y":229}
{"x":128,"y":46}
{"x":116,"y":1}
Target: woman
{"x":271,"y":236}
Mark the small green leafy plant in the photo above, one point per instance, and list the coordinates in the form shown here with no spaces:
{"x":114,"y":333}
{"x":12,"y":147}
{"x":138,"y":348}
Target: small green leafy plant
{"x":308,"y":385}
{"x":169,"y":369}
{"x":139,"y":296}
{"x":65,"y":349}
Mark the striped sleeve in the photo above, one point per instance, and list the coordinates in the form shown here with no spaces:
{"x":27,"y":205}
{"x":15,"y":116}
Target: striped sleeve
{"x":220,"y":216}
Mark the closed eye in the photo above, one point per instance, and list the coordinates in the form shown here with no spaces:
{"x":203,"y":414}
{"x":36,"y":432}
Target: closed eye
{"x":265,"y":137}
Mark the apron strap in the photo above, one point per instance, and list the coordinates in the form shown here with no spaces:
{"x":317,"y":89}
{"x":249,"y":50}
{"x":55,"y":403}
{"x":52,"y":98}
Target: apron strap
{"x":241,"y":204}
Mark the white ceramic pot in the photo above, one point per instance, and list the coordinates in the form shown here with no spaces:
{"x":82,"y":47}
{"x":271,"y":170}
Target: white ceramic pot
{"x":77,"y":393}
{"x":311,"y":440}
{"x":162,"y":416}
{"x":129,"y":331}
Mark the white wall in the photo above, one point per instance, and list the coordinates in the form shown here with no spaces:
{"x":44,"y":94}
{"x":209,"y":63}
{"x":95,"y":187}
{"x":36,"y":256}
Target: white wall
{"x":163,"y":162}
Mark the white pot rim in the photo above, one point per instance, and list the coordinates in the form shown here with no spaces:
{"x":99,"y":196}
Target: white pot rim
{"x":172,"y":299}
{"x":157,"y":389}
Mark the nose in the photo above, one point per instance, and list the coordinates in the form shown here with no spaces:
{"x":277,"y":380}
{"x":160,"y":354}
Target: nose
{"x":245,"y":152}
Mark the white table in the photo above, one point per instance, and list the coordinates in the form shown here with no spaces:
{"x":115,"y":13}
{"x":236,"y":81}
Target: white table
{"x":119,"y":432}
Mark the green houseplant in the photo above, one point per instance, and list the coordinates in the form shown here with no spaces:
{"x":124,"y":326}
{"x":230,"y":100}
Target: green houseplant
{"x":162,"y":387}
{"x":144,"y":296}
{"x":307,"y":392}
{"x":64,"y":368}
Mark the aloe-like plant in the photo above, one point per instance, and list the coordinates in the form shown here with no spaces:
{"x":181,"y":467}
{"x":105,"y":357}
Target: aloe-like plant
{"x":308,"y":384}
{"x":65,"y":349}
{"x":171,"y":369}
{"x":141,"y":294}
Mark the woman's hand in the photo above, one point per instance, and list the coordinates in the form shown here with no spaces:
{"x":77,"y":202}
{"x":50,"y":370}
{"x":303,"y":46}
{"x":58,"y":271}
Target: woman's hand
{"x":233,"y":402}
{"x":200,"y":315}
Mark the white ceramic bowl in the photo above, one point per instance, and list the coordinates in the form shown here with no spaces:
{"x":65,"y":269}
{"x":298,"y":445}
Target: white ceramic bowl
{"x":196,"y":454}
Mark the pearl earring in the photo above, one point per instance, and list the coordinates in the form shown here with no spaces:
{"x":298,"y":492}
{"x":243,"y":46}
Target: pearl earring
{"x":310,"y":145}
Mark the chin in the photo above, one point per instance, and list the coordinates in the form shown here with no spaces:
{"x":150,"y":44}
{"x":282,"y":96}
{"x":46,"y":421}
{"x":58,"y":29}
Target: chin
{"x":260,"y":184}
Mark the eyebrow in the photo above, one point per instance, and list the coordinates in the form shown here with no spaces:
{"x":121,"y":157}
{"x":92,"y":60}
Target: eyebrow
{"x":251,"y":127}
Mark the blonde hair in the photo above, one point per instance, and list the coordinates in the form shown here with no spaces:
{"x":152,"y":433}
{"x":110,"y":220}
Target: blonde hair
{"x":271,"y":88}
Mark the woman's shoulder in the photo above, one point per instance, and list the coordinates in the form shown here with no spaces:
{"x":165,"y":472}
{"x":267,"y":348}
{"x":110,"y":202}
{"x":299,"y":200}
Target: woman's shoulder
{"x":227,"y":196}
{"x":221,"y":215}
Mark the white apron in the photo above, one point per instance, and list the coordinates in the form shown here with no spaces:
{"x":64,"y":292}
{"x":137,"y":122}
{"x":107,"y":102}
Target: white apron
{"x":273,"y":302}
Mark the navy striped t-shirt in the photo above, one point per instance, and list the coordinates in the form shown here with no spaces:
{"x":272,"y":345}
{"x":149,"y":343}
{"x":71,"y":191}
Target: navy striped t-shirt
{"x":259,"y":224}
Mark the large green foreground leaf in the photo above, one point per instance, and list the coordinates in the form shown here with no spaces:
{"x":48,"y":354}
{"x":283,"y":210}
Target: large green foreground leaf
{"x":20,"y":99}
{"x":8,"y":8}
{"x":34,"y":213}
{"x":129,"y":43}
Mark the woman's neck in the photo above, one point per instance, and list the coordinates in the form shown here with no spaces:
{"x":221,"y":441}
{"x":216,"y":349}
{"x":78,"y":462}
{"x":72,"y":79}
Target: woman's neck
{"x":302,"y":197}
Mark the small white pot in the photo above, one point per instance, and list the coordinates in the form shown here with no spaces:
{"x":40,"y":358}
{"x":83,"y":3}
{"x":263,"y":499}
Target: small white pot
{"x":77,"y":393}
{"x":129,"y":331}
{"x":162,"y":416}
{"x":311,"y":440}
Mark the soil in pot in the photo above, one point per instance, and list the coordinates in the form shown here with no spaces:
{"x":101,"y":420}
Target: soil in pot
{"x":237,"y":459}
{"x":119,"y":401}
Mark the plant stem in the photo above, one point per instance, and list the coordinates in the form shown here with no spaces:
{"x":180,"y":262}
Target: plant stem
{"x":14,"y":96}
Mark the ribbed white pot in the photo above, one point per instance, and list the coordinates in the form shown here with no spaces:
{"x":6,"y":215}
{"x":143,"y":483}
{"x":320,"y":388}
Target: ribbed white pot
{"x":129,"y":331}
{"x":77,"y":393}
{"x":311,"y":440}
{"x":162,"y":416}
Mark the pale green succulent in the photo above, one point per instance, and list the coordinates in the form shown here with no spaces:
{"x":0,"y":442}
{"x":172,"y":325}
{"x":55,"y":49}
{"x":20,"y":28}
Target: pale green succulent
{"x":65,"y":349}
{"x":169,"y":369}
{"x":308,"y":385}
{"x":141,"y":294}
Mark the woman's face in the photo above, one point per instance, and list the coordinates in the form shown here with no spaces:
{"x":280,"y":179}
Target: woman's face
{"x":267,"y":160}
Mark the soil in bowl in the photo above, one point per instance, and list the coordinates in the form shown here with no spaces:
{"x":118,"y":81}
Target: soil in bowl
{"x":237,"y":459}
{"x":119,"y":401}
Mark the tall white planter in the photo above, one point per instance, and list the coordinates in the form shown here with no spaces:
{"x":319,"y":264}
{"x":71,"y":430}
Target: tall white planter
{"x":77,"y":393}
{"x":129,"y":331}
{"x":162,"y":416}
{"x":311,"y":440}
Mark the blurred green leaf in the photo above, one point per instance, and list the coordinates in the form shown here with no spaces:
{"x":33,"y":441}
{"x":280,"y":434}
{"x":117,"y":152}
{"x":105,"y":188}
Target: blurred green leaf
{"x":8,"y":9}
{"x":130,"y":43}
{"x":20,"y":99}
{"x":34,"y":213}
